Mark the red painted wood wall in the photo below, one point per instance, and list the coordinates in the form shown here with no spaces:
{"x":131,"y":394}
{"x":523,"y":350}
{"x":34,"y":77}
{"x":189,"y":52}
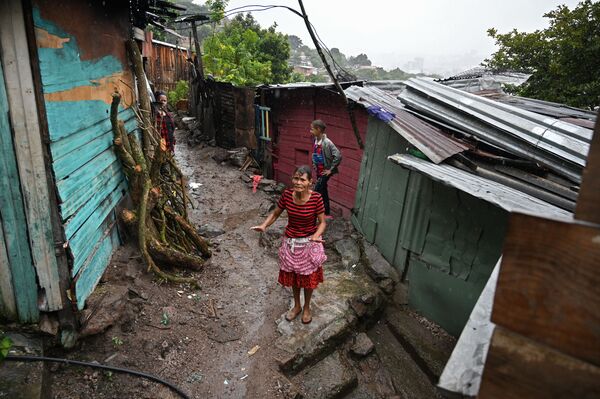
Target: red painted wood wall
{"x":292,"y":111}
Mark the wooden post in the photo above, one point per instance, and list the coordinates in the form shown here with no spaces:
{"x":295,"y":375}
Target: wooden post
{"x":545,"y":344}
{"x":198,"y":60}
{"x":332,"y":76}
{"x":588,"y":203}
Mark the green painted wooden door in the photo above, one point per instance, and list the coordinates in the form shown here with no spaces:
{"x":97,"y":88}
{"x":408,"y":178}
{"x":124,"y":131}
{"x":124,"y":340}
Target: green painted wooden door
{"x":18,"y":289}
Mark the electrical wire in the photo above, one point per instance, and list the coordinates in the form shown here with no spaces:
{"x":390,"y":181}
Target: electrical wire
{"x":265,"y":7}
{"x":99,"y":366}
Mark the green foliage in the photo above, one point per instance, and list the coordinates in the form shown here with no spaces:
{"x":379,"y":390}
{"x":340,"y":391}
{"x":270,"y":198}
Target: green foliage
{"x":165,"y":319}
{"x":246,"y":55}
{"x":359,"y":60}
{"x":382,"y":74}
{"x":5,"y":345}
{"x":563,"y":58}
{"x":217,"y":9}
{"x":117,"y":341}
{"x":181,"y":92}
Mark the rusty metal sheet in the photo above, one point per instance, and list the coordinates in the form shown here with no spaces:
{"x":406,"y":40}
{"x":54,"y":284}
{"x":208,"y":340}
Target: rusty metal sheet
{"x":430,"y":140}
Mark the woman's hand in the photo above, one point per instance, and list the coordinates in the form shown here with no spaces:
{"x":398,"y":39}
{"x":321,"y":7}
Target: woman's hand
{"x":317,"y":238}
{"x":260,"y":228}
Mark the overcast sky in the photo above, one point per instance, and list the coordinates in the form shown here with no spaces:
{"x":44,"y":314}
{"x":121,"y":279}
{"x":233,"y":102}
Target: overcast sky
{"x":450,"y":36}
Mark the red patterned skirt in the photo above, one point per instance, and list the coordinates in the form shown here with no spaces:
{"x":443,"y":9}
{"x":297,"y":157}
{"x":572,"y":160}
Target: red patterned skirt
{"x":291,"y":279}
{"x":300,"y":263}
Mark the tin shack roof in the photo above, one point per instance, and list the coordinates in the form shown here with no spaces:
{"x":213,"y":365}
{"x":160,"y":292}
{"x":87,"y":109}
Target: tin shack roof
{"x":498,"y":194}
{"x":308,"y":85}
{"x":429,"y":139}
{"x":558,"y":145}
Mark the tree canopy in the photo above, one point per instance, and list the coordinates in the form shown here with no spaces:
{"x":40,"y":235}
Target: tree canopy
{"x":245,"y":54}
{"x":564,"y":58}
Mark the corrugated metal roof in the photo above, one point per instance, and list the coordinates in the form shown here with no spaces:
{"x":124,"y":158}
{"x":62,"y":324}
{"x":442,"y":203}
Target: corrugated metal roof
{"x":558,"y":145}
{"x":547,"y":108}
{"x":306,"y":85}
{"x":427,"y":138}
{"x":498,"y":194}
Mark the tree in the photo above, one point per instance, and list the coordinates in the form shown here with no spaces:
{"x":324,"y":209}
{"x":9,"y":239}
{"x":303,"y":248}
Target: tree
{"x":244,"y":54}
{"x":562,"y":58}
{"x":295,"y":42}
{"x":359,"y":60}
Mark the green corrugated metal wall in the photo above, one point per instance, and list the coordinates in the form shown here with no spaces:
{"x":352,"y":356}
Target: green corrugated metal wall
{"x":444,"y":241}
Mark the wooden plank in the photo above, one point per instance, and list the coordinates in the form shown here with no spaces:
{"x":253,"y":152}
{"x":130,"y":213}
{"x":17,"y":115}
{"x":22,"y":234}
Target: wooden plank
{"x":549,"y":285}
{"x":81,"y":196}
{"x":8,"y":306}
{"x":518,"y":368}
{"x":75,"y":222}
{"x":18,"y":264}
{"x":88,"y":233}
{"x":65,"y":146}
{"x":588,"y":203}
{"x":82,"y":176}
{"x":29,"y":150}
{"x":95,"y":265}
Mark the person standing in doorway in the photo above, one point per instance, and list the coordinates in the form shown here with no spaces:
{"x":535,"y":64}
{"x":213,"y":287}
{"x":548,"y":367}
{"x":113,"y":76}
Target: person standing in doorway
{"x":325,"y":158}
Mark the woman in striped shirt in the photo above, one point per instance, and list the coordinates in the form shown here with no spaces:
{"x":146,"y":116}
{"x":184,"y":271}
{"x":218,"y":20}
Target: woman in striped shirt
{"x":301,"y":255}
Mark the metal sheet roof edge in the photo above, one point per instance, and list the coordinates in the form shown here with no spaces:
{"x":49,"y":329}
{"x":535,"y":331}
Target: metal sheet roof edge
{"x":498,"y":194}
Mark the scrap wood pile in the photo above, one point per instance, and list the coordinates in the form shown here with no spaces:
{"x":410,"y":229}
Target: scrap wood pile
{"x":159,"y":218}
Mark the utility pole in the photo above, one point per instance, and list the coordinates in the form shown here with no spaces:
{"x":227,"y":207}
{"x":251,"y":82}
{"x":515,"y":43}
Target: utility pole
{"x":198,"y":60}
{"x":332,"y":76}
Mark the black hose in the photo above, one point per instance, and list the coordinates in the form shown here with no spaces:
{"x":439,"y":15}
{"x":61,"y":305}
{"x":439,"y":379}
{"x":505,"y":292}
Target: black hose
{"x":98,"y":366}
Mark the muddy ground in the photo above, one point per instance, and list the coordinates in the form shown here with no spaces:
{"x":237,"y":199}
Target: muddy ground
{"x":202,"y":340}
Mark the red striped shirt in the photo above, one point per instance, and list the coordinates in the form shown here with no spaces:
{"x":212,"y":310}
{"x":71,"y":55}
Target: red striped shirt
{"x":302,"y":219}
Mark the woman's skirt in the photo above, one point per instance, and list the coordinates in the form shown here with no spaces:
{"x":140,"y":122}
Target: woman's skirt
{"x":301,"y":263}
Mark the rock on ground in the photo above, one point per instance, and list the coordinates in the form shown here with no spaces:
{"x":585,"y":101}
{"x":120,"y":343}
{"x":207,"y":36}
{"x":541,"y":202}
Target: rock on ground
{"x":362,"y":345}
{"x":349,"y":251}
{"x":376,"y":265}
{"x":104,"y":309}
{"x":210,"y":231}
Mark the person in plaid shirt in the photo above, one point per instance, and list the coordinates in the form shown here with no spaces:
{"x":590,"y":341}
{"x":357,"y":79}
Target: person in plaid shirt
{"x":165,"y":123}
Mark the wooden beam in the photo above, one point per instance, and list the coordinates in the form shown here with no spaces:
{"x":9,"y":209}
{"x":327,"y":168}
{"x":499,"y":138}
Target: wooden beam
{"x":588,"y":204}
{"x":518,"y":368}
{"x":29,"y":151}
{"x":8,"y":306}
{"x":549,"y":284}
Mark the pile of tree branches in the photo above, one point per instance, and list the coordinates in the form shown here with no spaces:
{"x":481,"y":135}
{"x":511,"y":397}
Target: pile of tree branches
{"x":157,"y":189}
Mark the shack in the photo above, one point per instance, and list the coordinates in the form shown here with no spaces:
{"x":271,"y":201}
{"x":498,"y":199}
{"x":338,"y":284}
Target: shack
{"x":165,"y":63}
{"x":61,"y":180}
{"x":290,"y":110}
{"x":440,"y":223}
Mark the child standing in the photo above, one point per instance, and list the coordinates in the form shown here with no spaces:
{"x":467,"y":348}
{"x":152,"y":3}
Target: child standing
{"x":325,"y":159}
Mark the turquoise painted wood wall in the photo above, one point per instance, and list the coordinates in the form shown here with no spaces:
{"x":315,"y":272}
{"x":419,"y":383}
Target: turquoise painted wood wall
{"x":445,"y":242}
{"x":88,"y":175}
{"x":18,"y":290}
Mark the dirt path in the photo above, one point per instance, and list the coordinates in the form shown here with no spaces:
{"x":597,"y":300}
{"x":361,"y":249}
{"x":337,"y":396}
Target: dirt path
{"x":196,"y":339}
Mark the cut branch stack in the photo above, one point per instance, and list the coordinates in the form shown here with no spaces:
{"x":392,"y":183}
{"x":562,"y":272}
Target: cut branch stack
{"x":157,"y":189}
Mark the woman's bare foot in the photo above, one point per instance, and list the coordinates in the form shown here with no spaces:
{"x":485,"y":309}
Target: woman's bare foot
{"x":306,"y":316}
{"x":293,"y":313}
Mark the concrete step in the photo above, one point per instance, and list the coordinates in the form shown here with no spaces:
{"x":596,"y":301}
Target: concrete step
{"x":331,"y":378}
{"x":23,"y":380}
{"x":342,"y":302}
{"x":430,"y":346}
{"x":409,"y":381}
